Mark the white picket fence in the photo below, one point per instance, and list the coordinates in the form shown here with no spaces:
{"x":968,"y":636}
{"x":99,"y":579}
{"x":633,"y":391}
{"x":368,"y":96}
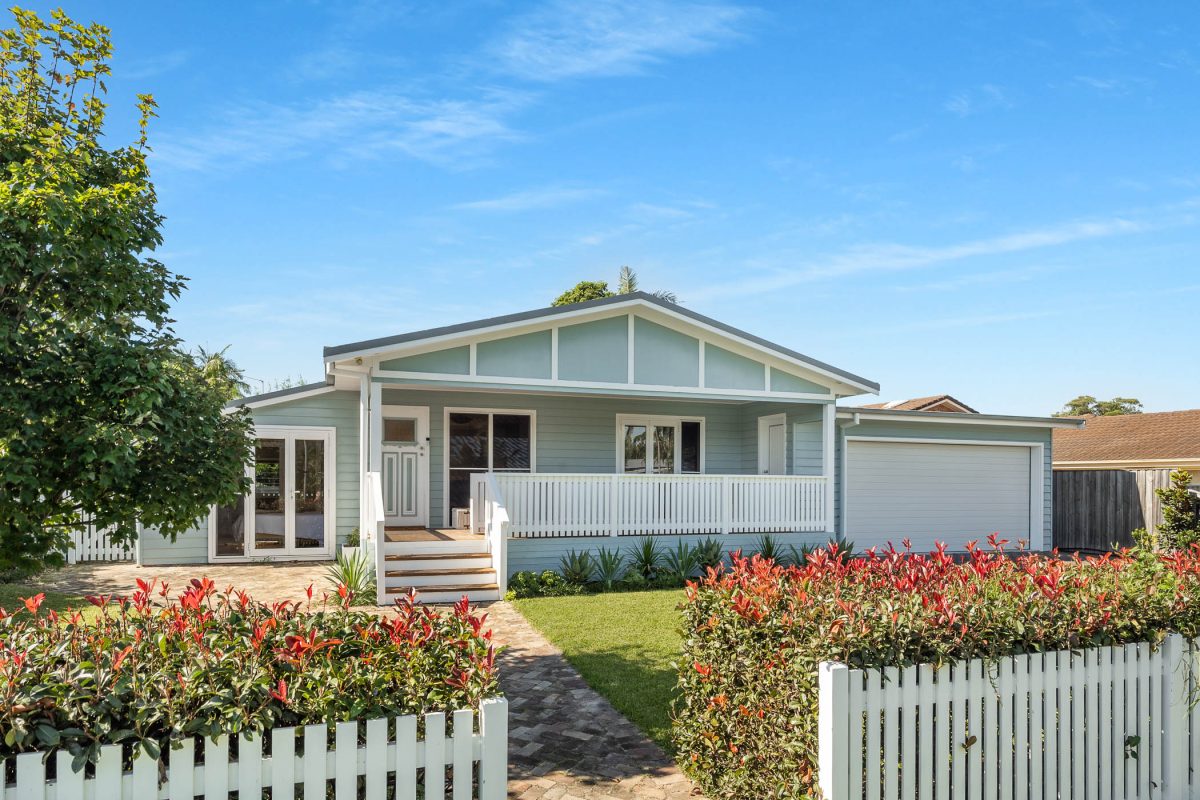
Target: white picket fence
{"x":1106,"y":722}
{"x":585,"y":504}
{"x":384,"y":751}
{"x":92,"y":544}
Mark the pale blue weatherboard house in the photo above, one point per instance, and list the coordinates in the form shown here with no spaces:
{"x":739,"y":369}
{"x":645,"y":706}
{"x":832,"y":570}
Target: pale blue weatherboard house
{"x":462,"y":454}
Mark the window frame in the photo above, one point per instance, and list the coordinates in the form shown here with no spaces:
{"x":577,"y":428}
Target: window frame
{"x":662,"y":421}
{"x":490,"y":412}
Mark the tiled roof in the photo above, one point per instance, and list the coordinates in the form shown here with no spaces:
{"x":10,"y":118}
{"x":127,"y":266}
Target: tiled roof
{"x":937,"y":402}
{"x":1131,"y":437}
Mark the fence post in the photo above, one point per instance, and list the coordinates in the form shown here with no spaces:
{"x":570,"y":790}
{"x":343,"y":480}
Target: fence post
{"x":1175,"y":713}
{"x":614,"y":505}
{"x":493,"y":762}
{"x":726,"y":504}
{"x":832,"y":730}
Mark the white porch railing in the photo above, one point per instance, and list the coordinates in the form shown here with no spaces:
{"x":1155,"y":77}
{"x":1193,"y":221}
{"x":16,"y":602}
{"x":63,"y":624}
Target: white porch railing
{"x":373,"y":534}
{"x":549,"y":504}
{"x":490,"y":518}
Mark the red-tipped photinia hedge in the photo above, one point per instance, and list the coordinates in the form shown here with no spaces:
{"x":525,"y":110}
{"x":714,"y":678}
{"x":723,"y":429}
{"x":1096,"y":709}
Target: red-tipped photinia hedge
{"x":746,"y":716}
{"x":152,"y":667}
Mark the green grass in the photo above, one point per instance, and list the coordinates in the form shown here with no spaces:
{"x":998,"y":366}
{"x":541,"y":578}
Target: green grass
{"x":623,"y":644}
{"x":11,"y":594}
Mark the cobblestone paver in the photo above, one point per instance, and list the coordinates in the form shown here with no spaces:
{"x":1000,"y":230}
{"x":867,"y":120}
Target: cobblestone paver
{"x":566,"y":742}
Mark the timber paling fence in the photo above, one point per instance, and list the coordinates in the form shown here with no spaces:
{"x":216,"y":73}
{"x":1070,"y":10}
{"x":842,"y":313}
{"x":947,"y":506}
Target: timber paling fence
{"x":1103,"y":722}
{"x":381,"y":758}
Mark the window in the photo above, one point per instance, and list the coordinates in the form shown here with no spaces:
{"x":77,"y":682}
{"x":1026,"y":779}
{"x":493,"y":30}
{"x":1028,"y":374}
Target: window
{"x":479,"y":441}
{"x":660,"y":445}
{"x":400,"y":430}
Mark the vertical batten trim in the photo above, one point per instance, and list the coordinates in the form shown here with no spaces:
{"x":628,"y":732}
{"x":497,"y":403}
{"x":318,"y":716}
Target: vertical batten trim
{"x":631,"y":375}
{"x":554,"y":353}
{"x":471,"y":360}
{"x":766,"y":377}
{"x":701,"y":372}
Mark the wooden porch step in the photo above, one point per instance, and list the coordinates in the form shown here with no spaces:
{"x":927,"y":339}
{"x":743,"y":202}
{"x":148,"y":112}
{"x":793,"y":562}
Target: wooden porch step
{"x":413,"y":573}
{"x":463,"y":588}
{"x":432,"y":556}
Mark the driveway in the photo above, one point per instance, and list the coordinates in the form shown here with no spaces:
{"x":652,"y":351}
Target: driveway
{"x":565,"y":740}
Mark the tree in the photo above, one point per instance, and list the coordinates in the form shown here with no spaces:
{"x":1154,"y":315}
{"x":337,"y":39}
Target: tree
{"x":627,"y":283}
{"x":103,"y":416}
{"x":1085,"y":405}
{"x":582,"y":292}
{"x":1180,"y":528}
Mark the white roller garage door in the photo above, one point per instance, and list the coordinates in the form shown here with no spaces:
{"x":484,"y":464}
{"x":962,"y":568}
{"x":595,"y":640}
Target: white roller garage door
{"x":927,"y":493}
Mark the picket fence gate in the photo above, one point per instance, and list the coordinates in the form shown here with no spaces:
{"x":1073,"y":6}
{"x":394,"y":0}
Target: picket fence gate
{"x":1093,"y":724}
{"x":93,"y":544}
{"x":385,"y":749}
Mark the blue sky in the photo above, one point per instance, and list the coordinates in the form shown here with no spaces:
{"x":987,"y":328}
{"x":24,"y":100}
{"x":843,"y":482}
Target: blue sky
{"x":996,"y":200}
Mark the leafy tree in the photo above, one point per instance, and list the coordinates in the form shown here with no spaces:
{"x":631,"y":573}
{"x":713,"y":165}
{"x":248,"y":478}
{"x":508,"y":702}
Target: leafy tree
{"x":1085,"y":405}
{"x":103,"y":416}
{"x":582,"y":292}
{"x":1180,"y":528}
{"x":627,"y":283}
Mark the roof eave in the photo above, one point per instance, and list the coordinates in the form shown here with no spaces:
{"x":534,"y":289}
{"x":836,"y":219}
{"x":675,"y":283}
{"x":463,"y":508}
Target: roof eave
{"x":959,"y":418}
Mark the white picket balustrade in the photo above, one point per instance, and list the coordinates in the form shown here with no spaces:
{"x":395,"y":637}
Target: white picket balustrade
{"x":92,"y":544}
{"x":1098,"y":723}
{"x":583,"y":504}
{"x":379,"y":751}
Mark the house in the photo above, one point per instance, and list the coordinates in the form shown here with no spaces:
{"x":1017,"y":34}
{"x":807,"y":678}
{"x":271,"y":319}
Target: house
{"x":461,"y":454}
{"x":937,"y":402}
{"x":1106,"y":474}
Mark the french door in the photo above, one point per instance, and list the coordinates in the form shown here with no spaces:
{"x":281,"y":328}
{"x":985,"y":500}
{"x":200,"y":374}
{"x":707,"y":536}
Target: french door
{"x":289,"y":512}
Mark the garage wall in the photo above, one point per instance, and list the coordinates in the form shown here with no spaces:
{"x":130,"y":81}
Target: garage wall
{"x":942,"y":430}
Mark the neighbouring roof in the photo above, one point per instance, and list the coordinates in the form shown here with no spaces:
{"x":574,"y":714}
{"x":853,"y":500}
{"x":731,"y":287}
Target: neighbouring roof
{"x":552,"y":311}
{"x":1131,"y":437}
{"x":957,"y":417}
{"x":937,"y":402}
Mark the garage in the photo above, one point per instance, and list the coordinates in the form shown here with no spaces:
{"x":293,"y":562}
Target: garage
{"x":951,"y":492}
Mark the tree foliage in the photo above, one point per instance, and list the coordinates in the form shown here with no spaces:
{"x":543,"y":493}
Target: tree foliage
{"x":103,"y":416}
{"x":1085,"y":405}
{"x":1180,"y":529}
{"x":582,"y":292}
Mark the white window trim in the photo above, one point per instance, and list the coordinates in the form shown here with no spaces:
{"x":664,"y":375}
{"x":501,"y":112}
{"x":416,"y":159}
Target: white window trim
{"x":661,"y":421}
{"x":1037,"y":477}
{"x":266,"y":432}
{"x":491,"y":412}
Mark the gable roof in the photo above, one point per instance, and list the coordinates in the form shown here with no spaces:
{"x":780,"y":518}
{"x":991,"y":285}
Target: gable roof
{"x":1131,"y":437}
{"x":374,"y":346}
{"x":930,"y":403}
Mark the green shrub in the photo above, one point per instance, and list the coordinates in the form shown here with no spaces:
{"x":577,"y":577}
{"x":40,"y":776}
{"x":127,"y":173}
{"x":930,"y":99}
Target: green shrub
{"x":745,"y":721}
{"x":150,"y":671}
{"x":578,"y":567}
{"x":610,"y":567}
{"x":539,"y":584}
{"x":645,"y":557}
{"x":355,"y":569}
{"x":682,"y":562}
{"x":1180,"y":528}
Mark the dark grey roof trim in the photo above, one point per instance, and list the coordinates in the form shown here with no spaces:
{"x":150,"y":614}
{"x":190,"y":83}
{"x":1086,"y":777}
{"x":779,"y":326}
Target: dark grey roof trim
{"x":255,"y":398}
{"x":959,"y":417}
{"x":466,"y":327}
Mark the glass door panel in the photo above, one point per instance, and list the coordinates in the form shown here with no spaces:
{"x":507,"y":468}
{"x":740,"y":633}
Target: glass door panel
{"x":635,"y":448}
{"x":229,"y":530}
{"x":309,"y":471}
{"x":269,"y":499}
{"x":664,"y":449}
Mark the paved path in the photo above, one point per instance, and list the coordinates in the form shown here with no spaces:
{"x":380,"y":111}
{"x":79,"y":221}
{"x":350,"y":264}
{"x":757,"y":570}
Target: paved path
{"x":566,"y":742}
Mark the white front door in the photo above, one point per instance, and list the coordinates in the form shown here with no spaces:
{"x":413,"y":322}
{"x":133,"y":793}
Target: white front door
{"x":406,"y":466}
{"x":291,"y":510}
{"x":772,"y":445}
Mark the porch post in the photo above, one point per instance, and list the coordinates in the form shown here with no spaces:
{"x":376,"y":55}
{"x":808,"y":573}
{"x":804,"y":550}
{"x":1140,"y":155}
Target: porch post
{"x":375,"y":464}
{"x":828,"y":431}
{"x":364,"y":424}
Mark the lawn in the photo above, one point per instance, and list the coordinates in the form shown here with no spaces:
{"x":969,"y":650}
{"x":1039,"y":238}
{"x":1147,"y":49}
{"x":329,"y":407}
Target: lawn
{"x":623,"y":644}
{"x":11,"y":594}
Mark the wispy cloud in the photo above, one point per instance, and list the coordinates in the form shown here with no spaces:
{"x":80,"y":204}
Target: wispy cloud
{"x":542,"y":198}
{"x":356,"y":125}
{"x":970,"y":321}
{"x":611,"y":37}
{"x":974,"y":279}
{"x":153,"y":66}
{"x":988,"y":97}
{"x":894,"y":257}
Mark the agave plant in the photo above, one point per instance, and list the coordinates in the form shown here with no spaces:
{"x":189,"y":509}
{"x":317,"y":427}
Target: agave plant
{"x":610,"y":566}
{"x":645,"y":557}
{"x":798,"y":556}
{"x":683,"y":561}
{"x":709,"y":553}
{"x":355,"y":569}
{"x":767,"y":547}
{"x":578,"y":567}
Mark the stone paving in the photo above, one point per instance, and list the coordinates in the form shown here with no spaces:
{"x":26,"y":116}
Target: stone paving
{"x":566,"y":742}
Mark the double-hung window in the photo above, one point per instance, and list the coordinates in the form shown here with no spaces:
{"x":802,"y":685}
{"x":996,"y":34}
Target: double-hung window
{"x":659,"y":445}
